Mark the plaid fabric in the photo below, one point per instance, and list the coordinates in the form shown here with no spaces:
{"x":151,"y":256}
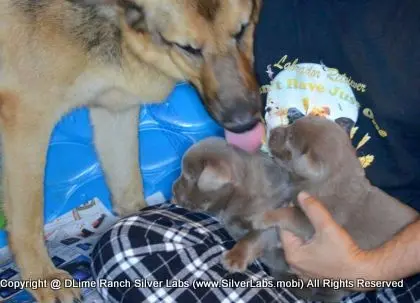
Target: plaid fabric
{"x":167,"y":244}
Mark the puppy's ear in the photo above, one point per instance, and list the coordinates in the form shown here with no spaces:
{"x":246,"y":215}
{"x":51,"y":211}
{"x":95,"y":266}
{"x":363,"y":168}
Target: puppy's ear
{"x":215,"y":175}
{"x":346,"y":124}
{"x":310,"y":166}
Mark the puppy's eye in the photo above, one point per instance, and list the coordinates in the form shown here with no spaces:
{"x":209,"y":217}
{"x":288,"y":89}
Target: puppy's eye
{"x":304,"y":148}
{"x":238,"y":36}
{"x":190,"y":49}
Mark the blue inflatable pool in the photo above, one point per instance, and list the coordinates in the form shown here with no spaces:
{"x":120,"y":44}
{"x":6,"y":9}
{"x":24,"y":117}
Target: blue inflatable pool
{"x":167,"y":130}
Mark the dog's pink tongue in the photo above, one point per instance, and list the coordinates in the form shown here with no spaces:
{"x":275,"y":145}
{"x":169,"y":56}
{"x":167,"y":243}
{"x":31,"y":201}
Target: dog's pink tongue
{"x":249,"y":141}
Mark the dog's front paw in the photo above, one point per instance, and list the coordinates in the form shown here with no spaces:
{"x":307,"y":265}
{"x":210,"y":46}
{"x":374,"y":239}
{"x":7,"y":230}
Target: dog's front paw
{"x":57,"y":289}
{"x":235,"y":260}
{"x":129,"y":207}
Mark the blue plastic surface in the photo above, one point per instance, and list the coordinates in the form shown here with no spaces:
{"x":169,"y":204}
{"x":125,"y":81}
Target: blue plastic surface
{"x":167,"y":130}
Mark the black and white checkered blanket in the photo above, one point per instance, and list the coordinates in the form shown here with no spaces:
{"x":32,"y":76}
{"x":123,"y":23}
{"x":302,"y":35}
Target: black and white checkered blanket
{"x":168,"y":254}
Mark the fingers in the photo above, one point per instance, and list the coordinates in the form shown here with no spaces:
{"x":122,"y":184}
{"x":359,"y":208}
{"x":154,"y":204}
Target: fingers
{"x":317,"y":214}
{"x":290,"y":241}
{"x":291,"y":245}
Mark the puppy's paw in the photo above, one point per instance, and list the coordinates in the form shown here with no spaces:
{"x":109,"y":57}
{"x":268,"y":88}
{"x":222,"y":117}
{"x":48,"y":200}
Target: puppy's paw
{"x":56,"y":290}
{"x":258,"y":222}
{"x":235,"y":260}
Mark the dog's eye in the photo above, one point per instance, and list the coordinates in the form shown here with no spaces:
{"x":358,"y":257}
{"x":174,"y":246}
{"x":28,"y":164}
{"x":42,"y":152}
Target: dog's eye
{"x":190,"y":49}
{"x":238,"y":36}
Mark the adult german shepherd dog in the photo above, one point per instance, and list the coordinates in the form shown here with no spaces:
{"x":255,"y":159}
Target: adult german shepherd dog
{"x":109,"y":55}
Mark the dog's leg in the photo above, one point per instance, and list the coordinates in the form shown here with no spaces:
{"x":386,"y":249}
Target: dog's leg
{"x":288,"y":218}
{"x":245,"y":251}
{"x":116,"y":141}
{"x":25,"y":133}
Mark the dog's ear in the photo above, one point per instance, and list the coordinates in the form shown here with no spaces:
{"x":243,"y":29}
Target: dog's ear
{"x":134,"y":16}
{"x":257,"y":9}
{"x":133,"y":13}
{"x":215,"y":175}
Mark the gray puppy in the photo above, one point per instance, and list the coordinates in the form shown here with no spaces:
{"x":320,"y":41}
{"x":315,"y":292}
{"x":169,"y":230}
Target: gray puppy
{"x":322,"y":160}
{"x":235,"y":186}
{"x":313,"y":154}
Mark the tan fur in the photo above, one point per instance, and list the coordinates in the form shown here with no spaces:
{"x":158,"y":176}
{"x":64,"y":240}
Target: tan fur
{"x":56,"y":55}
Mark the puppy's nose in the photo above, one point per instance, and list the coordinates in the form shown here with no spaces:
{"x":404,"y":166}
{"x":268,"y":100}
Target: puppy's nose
{"x":241,"y":121}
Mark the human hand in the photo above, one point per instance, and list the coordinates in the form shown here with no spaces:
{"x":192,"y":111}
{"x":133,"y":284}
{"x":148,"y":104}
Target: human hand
{"x":331,"y":253}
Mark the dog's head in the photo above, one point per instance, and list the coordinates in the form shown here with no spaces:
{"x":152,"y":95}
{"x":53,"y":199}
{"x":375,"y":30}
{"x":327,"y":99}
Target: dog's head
{"x":314,"y":149}
{"x":208,"y":42}
{"x":210,"y":170}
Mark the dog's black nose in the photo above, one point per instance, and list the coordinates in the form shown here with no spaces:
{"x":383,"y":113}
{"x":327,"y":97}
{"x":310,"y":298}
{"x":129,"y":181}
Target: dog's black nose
{"x":241,"y":121}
